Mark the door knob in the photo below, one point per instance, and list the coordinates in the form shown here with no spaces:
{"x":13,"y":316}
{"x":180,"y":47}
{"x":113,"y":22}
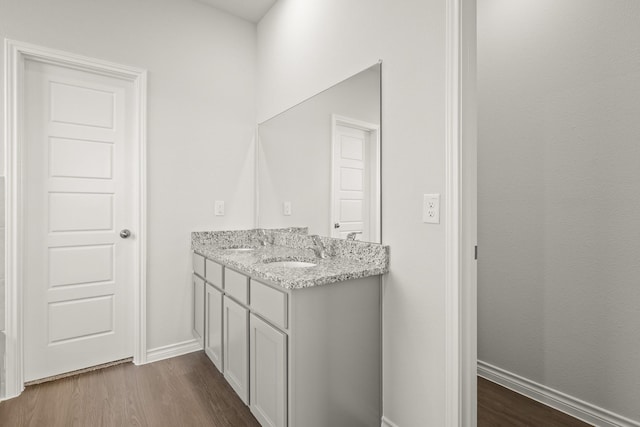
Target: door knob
{"x":336,"y":225}
{"x":125,"y":233}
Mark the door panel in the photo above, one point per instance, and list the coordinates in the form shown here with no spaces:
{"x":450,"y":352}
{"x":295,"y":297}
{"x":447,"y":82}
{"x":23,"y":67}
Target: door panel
{"x":93,"y":264}
{"x":96,"y":316}
{"x":97,"y":158}
{"x":78,"y":273}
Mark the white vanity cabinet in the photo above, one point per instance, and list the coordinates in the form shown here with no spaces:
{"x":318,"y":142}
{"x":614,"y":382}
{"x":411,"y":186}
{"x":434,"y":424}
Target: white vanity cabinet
{"x":235,"y":325}
{"x":306,"y":357}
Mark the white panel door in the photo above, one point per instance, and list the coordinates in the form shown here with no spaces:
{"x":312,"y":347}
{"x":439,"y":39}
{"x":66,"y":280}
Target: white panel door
{"x":351,"y":182}
{"x":78,"y":271}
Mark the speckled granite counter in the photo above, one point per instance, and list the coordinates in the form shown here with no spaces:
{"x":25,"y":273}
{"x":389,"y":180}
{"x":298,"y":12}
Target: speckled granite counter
{"x":348,"y":260}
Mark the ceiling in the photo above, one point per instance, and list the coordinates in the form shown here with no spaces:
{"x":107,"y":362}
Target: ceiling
{"x":251,"y":10}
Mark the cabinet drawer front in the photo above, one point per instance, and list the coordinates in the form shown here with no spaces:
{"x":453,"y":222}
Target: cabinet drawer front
{"x":269,"y":303}
{"x":236,"y":285}
{"x":214,"y":273}
{"x":198,"y":264}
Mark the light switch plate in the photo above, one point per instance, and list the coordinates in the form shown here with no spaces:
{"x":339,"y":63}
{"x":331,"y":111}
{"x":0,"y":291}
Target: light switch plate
{"x":286,"y":208}
{"x":431,"y":208}
{"x":219,"y":209}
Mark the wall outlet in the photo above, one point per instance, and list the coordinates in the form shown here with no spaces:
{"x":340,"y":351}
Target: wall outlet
{"x":219,"y":209}
{"x":286,"y":208}
{"x":431,"y":208}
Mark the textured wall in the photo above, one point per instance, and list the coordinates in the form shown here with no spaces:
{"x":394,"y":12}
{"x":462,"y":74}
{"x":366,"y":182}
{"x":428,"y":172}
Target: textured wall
{"x":559,"y":206}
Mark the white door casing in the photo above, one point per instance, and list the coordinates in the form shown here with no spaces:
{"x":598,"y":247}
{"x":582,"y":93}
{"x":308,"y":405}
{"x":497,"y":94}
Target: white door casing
{"x":355,"y":187}
{"x":63,"y":196}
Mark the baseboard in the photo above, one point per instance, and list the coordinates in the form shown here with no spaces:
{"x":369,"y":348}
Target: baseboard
{"x":570,"y":405}
{"x":173,"y":350}
{"x":387,"y":423}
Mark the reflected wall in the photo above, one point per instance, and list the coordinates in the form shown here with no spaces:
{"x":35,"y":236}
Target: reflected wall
{"x":295,"y":154}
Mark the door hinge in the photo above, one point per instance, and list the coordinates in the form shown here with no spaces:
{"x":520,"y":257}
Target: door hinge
{"x":475,"y":253}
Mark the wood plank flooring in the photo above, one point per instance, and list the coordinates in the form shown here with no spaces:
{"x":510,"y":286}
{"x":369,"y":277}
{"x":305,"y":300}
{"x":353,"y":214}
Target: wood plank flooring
{"x":183,"y":391}
{"x":498,"y":406}
{"x":189,"y":391}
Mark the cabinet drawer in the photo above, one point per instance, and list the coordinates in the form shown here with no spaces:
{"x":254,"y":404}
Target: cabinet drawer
{"x":214,"y":273}
{"x":270,"y":303}
{"x":236,"y":285}
{"x":198,"y":264}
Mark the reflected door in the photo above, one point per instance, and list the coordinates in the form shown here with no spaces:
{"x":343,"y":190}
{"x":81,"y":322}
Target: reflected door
{"x":78,"y":272}
{"x":354,"y":180}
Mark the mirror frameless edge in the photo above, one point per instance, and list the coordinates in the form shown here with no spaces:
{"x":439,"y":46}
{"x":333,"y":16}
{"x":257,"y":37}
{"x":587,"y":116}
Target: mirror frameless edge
{"x":318,"y":163}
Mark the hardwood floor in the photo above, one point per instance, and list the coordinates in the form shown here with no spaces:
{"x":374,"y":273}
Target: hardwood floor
{"x":498,"y":406}
{"x":189,"y":391}
{"x":183,"y":391}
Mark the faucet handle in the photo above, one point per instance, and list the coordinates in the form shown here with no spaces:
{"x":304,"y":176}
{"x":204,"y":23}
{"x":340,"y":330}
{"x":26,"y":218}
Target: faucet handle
{"x":353,"y":234}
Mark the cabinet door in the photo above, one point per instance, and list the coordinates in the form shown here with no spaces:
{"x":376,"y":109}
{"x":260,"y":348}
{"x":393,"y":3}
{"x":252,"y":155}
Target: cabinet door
{"x":213,"y":326}
{"x":236,"y":347}
{"x":268,"y":373}
{"x":198,"y":308}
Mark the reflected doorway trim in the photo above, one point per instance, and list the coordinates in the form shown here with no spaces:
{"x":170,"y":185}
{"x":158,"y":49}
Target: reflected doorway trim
{"x":376,"y":187}
{"x":460,"y":215}
{"x":16,"y":53}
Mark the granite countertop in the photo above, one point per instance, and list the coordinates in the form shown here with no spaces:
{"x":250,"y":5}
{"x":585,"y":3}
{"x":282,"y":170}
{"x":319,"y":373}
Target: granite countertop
{"x":350,"y":260}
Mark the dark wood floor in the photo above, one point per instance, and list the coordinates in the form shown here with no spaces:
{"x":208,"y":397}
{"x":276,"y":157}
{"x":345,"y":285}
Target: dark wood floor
{"x":189,"y":391}
{"x":498,"y":406}
{"x":183,"y":391}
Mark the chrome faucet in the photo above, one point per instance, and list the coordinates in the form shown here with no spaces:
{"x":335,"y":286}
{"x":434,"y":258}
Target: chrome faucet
{"x":264,"y":238}
{"x":319,"y":248}
{"x":352,"y":235}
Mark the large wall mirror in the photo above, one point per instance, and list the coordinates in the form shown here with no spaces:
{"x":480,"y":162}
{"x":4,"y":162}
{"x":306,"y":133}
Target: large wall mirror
{"x":318,"y":163}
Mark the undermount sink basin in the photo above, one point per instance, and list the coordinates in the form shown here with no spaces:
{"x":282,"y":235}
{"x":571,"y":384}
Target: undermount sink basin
{"x":291,"y":264}
{"x":240,"y":249}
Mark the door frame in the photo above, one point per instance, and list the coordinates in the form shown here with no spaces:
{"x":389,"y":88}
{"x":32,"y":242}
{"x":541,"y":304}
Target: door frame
{"x":376,"y":184}
{"x":460,"y":215}
{"x":16,"y":54}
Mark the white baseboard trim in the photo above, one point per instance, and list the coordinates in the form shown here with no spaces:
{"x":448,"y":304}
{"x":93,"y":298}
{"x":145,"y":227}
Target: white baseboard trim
{"x":575,"y":407}
{"x":173,"y":350}
{"x":387,"y":423}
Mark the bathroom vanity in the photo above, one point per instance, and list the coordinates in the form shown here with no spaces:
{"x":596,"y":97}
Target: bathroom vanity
{"x":293,"y":322}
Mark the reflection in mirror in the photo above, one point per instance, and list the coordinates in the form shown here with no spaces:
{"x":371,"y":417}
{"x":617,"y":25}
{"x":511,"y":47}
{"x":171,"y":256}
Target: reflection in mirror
{"x":318,"y":163}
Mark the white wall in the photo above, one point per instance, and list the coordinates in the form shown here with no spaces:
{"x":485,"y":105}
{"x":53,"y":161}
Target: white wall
{"x":304,"y":47}
{"x":201,"y":117}
{"x":559,"y":201}
{"x":294,"y":162}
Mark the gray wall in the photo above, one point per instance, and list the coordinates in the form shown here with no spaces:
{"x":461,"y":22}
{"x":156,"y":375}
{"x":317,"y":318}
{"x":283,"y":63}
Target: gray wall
{"x":559,"y":195}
